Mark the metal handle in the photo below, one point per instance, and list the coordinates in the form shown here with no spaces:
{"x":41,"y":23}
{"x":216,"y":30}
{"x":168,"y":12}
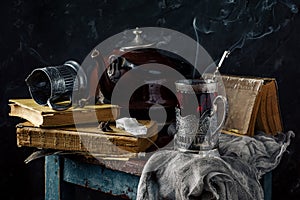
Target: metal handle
{"x":224,"y":101}
{"x":51,"y":103}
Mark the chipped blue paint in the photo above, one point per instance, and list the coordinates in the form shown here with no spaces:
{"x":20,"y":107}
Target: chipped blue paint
{"x":267,"y":185}
{"x":52,"y":177}
{"x":100,"y":178}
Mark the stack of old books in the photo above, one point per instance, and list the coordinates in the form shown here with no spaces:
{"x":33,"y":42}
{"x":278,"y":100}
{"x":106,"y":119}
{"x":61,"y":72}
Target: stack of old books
{"x":253,"y":105}
{"x":59,"y":130}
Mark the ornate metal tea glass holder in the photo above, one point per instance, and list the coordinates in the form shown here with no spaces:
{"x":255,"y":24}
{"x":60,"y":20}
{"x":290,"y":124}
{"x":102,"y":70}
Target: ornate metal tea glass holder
{"x":53,"y":84}
{"x":198,"y":116}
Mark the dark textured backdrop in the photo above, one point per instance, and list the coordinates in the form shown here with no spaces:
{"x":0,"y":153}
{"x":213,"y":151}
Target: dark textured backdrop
{"x":263,"y":35}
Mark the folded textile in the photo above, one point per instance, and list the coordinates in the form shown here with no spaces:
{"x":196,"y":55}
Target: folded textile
{"x":233,"y":175}
{"x":262,"y":152}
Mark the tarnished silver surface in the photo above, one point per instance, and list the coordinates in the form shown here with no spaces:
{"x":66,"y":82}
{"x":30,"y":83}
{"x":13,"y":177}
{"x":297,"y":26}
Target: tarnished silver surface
{"x":53,"y":84}
{"x":196,"y":86}
{"x":198,"y":131}
{"x":195,"y":134}
{"x":138,"y":42}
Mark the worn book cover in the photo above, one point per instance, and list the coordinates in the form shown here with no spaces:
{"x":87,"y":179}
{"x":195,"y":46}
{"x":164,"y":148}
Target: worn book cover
{"x":252,"y":105}
{"x":44,"y":116}
{"x":87,"y":138}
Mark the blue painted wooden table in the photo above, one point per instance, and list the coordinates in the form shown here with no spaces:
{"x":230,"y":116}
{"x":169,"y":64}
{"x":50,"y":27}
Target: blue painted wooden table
{"x":60,"y":170}
{"x":119,"y":181}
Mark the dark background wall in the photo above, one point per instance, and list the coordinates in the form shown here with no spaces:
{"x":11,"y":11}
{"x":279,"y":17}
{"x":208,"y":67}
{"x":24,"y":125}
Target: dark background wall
{"x":263,"y":35}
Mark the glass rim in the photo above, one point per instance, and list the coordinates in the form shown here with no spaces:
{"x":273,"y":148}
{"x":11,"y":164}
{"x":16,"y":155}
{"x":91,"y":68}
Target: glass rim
{"x":196,"y":85}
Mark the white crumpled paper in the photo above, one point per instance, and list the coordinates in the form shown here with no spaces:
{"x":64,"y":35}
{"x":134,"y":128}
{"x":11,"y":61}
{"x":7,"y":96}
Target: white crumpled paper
{"x":131,"y":125}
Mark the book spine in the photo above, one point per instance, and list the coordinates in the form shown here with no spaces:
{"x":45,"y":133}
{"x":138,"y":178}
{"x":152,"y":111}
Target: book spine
{"x":62,"y":140}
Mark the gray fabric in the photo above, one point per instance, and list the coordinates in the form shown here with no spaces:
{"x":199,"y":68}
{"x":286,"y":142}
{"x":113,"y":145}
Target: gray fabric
{"x":235,"y":175}
{"x":262,"y":152}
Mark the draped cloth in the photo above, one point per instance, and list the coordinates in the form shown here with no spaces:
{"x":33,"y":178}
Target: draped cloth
{"x":233,"y":175}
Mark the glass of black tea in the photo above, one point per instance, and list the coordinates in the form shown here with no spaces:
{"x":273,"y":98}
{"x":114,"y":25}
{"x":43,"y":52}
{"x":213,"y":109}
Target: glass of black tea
{"x":199,"y":116}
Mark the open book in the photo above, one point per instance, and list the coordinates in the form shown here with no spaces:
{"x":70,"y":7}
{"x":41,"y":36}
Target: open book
{"x":252,"y":105}
{"x":44,"y":116}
